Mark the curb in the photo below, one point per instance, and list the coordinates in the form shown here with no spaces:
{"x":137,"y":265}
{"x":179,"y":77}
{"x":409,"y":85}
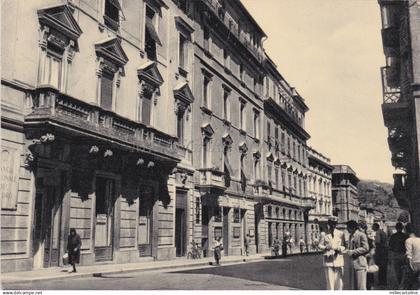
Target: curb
{"x":130,"y":270}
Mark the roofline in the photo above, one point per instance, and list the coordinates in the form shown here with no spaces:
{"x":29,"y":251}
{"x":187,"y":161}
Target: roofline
{"x":248,"y":14}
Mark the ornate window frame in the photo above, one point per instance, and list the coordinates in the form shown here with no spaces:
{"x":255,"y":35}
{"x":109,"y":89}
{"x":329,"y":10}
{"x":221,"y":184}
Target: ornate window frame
{"x":58,"y":29}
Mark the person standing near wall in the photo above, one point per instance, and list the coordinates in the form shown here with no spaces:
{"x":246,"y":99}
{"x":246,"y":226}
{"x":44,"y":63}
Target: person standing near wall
{"x":412,"y":245}
{"x":217,"y":248}
{"x":397,"y":251}
{"x":381,"y":253}
{"x":73,"y":248}
{"x":358,"y":248}
{"x":332,"y":244}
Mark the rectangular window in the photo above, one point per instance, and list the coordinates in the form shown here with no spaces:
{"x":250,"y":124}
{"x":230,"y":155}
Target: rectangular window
{"x":226,"y":106}
{"x":180,"y":127}
{"x":277,"y":180}
{"x":241,"y":72}
{"x":236,"y":215}
{"x":197,"y":210}
{"x":226,"y":59}
{"x":256,"y":124}
{"x":217,"y":214}
{"x":52,"y":70}
{"x":242,"y":115}
{"x":283,"y":180}
{"x":268,"y":130}
{"x":206,"y":38}
{"x":112,"y":14}
{"x":151,"y":35}
{"x":107,"y":83}
{"x":206,"y":92}
{"x":183,"y":52}
{"x":269,"y":172}
{"x":146,"y":109}
{"x":206,"y":150}
{"x":283,"y":142}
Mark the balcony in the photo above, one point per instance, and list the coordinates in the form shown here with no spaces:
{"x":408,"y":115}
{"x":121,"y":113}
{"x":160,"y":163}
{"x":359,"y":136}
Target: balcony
{"x":184,"y":153}
{"x":308,"y":203}
{"x":394,"y":107}
{"x":211,"y":178}
{"x":400,"y":160}
{"x":398,"y":140}
{"x":401,"y":189}
{"x":83,"y":121}
{"x":391,"y":37}
{"x":217,"y":11}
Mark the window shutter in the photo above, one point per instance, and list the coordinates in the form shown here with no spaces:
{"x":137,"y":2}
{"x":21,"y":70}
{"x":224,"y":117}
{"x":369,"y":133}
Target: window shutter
{"x":106,"y":91}
{"x":146,"y":110}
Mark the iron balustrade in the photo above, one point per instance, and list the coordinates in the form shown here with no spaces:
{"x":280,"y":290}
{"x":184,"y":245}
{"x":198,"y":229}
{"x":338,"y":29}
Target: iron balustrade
{"x":50,"y":105}
{"x":390,"y":94}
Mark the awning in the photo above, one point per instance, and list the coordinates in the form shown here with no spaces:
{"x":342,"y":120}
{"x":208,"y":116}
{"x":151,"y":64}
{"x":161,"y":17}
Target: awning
{"x":151,"y":29}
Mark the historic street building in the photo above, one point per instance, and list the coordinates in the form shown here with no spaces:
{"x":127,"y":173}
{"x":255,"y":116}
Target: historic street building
{"x":345,"y":194}
{"x":319,"y":183}
{"x":401,"y":98}
{"x":146,"y":125}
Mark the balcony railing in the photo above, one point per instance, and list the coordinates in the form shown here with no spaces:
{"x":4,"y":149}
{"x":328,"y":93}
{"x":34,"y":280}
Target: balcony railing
{"x":49,"y":105}
{"x":215,"y":7}
{"x":211,"y":178}
{"x":390,"y":94}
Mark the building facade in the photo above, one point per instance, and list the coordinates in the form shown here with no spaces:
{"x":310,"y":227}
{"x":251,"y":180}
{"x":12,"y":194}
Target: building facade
{"x":146,"y":126}
{"x":401,"y":98}
{"x":345,"y":194}
{"x":319,"y":180}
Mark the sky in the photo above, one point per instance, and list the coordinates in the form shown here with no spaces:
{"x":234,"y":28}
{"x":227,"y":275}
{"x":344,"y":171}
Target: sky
{"x":331,"y":51}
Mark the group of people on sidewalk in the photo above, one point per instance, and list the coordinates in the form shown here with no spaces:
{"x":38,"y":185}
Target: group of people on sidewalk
{"x":368,"y":254}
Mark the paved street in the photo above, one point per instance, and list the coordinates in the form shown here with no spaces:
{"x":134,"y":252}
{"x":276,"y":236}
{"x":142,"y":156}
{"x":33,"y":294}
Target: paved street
{"x":297,"y":272}
{"x":301,"y":272}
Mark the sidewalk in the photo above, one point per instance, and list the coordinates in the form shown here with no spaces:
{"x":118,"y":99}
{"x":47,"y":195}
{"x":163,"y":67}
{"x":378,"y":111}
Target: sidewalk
{"x":57,"y":273}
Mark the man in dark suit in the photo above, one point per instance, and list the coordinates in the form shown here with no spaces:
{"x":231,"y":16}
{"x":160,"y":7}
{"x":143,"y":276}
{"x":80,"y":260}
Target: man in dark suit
{"x":358,"y":249}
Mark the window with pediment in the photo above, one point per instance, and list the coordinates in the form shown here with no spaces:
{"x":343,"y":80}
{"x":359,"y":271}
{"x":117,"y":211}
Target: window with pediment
{"x":111,"y":59}
{"x":150,"y":81}
{"x":183,"y":101}
{"x":59,"y":34}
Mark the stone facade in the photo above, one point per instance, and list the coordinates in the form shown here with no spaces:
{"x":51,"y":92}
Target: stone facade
{"x":146,"y":126}
{"x":345,"y":194}
{"x":320,"y":181}
{"x":401,"y":98}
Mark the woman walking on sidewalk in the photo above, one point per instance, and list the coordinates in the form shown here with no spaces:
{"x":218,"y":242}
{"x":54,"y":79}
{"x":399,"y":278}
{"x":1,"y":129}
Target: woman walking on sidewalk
{"x":73,"y":247}
{"x":217,"y":248}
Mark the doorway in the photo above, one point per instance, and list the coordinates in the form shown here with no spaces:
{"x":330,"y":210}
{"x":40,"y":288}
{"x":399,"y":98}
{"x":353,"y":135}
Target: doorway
{"x":144,"y":229}
{"x":47,"y":221}
{"x":104,"y":221}
{"x":181,"y":223}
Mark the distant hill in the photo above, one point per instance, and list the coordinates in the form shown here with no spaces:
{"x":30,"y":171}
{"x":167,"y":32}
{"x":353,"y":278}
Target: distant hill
{"x":379,"y":195}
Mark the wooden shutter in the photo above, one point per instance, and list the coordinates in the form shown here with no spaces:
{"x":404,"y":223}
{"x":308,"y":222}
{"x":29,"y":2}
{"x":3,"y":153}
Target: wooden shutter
{"x":146,"y":110}
{"x":106,"y":91}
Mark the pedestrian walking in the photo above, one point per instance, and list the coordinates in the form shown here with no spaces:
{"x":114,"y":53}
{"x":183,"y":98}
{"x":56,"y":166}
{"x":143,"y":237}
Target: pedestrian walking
{"x":73,"y":248}
{"x":276,"y":247}
{"x":284,"y":245}
{"x":302,"y":244}
{"x":397,"y":251}
{"x":247,"y":242}
{"x":381,"y":253}
{"x":217,"y":248}
{"x":358,"y":248}
{"x":332,"y":244}
{"x":412,"y":246}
